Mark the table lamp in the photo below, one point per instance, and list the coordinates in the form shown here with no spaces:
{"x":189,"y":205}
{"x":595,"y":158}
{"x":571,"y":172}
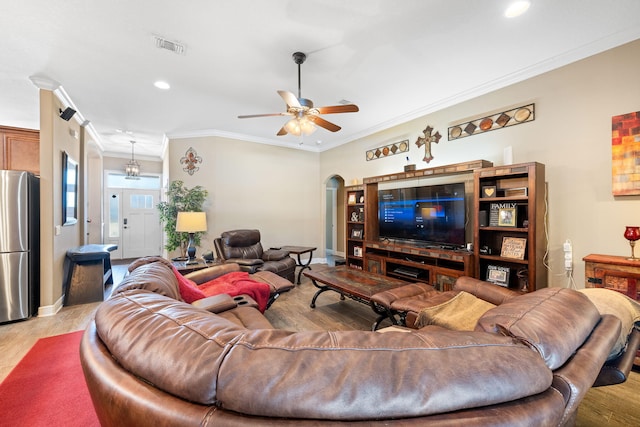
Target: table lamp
{"x":191,"y":222}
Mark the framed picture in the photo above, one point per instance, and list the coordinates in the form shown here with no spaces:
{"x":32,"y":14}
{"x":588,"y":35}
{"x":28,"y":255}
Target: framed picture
{"x":507,"y":217}
{"x":498,"y":275}
{"x":357,"y":251}
{"x":356,"y":233}
{"x":352,"y":199}
{"x":513,"y":247}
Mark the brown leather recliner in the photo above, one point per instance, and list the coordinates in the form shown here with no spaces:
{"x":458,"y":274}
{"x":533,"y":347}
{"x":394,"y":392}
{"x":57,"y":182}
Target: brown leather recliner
{"x":243,"y":247}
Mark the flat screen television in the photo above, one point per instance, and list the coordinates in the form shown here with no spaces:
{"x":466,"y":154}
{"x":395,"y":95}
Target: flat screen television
{"x":433,"y":214}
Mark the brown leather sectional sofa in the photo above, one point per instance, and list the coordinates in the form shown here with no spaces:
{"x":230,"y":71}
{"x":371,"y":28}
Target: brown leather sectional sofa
{"x":149,"y":359}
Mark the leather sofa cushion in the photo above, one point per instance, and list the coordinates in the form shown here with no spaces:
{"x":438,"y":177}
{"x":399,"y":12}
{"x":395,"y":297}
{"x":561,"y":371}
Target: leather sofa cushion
{"x":242,"y":244}
{"x":152,"y":275}
{"x":285,"y":264}
{"x":553,"y":321}
{"x":487,"y":291}
{"x":343,"y":375}
{"x":274,"y":255}
{"x":277,"y":283}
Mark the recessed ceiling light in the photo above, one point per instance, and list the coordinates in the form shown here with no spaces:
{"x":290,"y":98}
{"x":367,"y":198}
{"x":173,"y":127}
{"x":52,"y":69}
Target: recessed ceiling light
{"x":517,"y":8}
{"x":162,"y":85}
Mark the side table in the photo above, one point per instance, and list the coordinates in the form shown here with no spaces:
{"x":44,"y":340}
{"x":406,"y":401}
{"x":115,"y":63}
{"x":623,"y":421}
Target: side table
{"x":613,"y":272}
{"x":299,"y":250}
{"x":183,"y":268}
{"x":617,"y":273}
{"x":87,"y":274}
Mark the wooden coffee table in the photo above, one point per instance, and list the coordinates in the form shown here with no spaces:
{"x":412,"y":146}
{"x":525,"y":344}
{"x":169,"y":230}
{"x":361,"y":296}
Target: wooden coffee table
{"x":355,"y":284}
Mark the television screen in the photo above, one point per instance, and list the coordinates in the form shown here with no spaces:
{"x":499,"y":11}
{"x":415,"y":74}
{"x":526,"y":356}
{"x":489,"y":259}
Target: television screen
{"x":432,"y":214}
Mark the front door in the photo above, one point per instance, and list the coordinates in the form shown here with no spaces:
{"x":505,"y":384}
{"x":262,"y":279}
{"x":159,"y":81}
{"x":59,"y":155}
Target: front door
{"x":140,"y":223}
{"x":133,"y":222}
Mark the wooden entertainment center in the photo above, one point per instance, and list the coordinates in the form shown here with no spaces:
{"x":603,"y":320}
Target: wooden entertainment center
{"x":518,"y":189}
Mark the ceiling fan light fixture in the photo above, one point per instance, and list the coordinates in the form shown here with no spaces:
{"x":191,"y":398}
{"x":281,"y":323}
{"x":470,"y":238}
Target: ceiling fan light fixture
{"x":306,"y":117}
{"x":300,"y":126}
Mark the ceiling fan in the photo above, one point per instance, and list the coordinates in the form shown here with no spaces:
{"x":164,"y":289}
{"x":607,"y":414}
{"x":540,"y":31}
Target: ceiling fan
{"x":305,"y":115}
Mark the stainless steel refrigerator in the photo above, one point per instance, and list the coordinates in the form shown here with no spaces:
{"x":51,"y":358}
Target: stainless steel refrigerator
{"x":19,"y":245}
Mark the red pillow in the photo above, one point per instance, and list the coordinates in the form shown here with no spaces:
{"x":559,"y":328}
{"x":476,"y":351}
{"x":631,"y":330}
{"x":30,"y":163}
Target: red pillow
{"x":189,"y":291}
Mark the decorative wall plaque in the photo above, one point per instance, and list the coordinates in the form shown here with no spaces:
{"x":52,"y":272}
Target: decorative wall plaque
{"x":512,"y":117}
{"x":426,"y":140}
{"x":513,"y":247}
{"x":190,"y":161}
{"x":388,"y":150}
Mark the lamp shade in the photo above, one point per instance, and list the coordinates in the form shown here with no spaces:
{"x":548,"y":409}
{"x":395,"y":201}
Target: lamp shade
{"x":191,"y":222}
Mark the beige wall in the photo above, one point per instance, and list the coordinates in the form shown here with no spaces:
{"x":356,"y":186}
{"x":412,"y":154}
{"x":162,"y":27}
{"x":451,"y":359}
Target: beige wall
{"x":571,"y":135}
{"x":55,"y":136}
{"x":119,"y":163}
{"x":276,"y":190}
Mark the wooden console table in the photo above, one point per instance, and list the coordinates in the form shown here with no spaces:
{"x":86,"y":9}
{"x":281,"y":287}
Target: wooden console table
{"x":613,"y":272}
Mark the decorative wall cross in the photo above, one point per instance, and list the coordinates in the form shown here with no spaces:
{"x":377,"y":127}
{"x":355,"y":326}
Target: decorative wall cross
{"x":426,"y":140}
{"x":190,"y":161}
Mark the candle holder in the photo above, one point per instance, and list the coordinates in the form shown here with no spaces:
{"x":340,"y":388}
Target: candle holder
{"x":632,"y":234}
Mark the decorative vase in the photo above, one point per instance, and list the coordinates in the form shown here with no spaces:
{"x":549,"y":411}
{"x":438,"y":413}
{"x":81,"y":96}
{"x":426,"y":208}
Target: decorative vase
{"x":632,"y":234}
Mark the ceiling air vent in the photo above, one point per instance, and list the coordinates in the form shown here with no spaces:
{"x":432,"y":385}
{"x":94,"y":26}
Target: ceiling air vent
{"x":174,"y":47}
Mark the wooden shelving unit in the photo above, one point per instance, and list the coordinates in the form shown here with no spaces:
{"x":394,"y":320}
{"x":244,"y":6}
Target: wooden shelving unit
{"x":355,"y":229}
{"x":519,"y":188}
{"x":509,"y":203}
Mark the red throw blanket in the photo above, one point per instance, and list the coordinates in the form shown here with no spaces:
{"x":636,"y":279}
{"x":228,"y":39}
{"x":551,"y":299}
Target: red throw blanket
{"x":233,"y":284}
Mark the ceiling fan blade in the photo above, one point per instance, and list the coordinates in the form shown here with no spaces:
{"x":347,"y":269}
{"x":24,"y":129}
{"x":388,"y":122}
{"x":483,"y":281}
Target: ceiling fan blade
{"x":323,"y":123}
{"x":333,"y":109}
{"x":289,"y":98}
{"x":282,"y":131}
{"x":263,"y":115}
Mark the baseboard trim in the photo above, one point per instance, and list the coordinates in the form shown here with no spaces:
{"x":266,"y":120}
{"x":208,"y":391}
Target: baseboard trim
{"x":50,"y":310}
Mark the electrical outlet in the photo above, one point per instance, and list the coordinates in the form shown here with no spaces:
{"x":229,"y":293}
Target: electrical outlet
{"x":568,"y":256}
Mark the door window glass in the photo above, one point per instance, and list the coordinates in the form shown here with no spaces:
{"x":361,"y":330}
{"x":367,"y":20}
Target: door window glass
{"x":141,"y":201}
{"x":117,"y":180}
{"x":114,"y":216}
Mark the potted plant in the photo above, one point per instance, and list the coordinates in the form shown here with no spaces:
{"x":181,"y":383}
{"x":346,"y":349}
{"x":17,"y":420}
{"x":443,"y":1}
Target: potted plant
{"x":180,"y":199}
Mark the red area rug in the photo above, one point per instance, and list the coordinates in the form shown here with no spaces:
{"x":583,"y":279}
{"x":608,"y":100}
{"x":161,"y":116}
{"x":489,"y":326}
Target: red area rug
{"x":47,"y":387}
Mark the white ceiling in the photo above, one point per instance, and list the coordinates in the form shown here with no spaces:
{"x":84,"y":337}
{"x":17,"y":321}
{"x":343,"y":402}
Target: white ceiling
{"x":397,"y":60}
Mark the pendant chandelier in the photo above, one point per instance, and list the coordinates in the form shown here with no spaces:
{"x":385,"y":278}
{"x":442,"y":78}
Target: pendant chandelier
{"x":132,"y":168}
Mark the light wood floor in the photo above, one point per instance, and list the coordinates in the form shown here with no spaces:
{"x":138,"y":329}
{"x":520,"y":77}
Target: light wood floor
{"x":605,"y":406}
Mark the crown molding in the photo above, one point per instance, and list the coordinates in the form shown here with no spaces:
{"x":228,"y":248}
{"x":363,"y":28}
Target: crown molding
{"x":240,"y":137}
